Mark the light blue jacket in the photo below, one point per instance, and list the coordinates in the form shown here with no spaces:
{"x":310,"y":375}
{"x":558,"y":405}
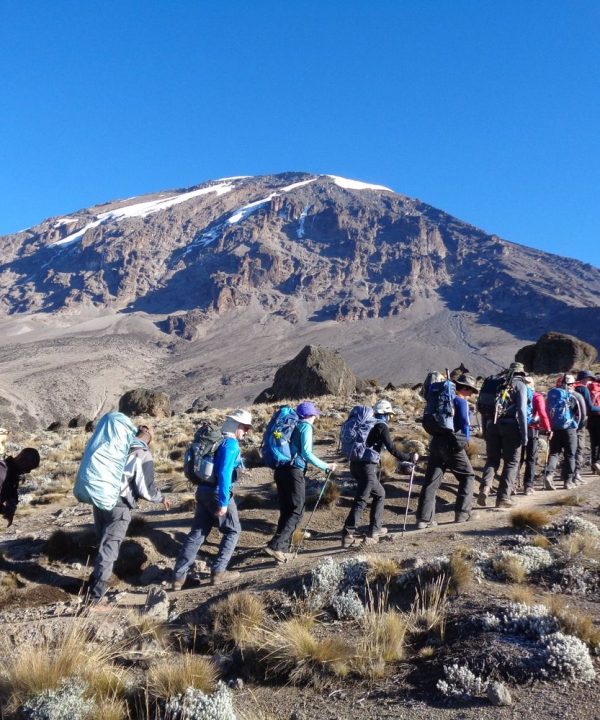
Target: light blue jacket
{"x":227,"y":460}
{"x":301,"y":444}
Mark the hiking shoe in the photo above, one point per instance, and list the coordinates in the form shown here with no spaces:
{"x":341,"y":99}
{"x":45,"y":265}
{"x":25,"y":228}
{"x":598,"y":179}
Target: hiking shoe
{"x":278,"y":555}
{"x":462,"y":517}
{"x":422,"y":525}
{"x":569,"y":485}
{"x":100,"y":606}
{"x":177,"y":584}
{"x":529,"y":491}
{"x":504,"y":503}
{"x":578,"y":480}
{"x":217,"y":578}
{"x":548,"y":484}
{"x":348,"y":540}
{"x":596,"y":468}
{"x":482,"y":497}
{"x":376,"y":534}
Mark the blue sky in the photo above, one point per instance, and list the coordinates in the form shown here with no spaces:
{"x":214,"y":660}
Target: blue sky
{"x":488,"y":110}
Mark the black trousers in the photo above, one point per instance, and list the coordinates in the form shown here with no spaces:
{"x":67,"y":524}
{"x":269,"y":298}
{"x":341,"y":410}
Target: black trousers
{"x":503,"y":444}
{"x":368,"y":484}
{"x":563,"y":441}
{"x":594,"y":430}
{"x":291,"y":489}
{"x":443,"y":456}
{"x":531,"y":454}
{"x":580,"y":454}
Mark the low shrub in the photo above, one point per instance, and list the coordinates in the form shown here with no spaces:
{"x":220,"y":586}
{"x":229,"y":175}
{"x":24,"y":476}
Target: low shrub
{"x":170,"y":677}
{"x":529,"y":519}
{"x":237,"y":619}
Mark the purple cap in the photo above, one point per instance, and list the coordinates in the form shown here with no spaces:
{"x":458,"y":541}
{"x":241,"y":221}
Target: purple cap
{"x":307,"y":409}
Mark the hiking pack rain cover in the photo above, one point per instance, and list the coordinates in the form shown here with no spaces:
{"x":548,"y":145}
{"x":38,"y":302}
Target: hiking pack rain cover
{"x":101,"y":469}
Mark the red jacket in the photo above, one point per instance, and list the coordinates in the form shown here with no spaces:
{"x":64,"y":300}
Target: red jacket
{"x":539,"y":416}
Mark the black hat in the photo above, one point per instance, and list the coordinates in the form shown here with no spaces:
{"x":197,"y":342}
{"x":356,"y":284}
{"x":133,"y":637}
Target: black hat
{"x":466,"y":381}
{"x":585,"y":375}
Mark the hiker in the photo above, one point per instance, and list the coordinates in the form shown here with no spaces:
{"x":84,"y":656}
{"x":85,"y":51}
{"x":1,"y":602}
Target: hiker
{"x":111,"y":525}
{"x":539,"y":423}
{"x":588,"y":386}
{"x":290,"y":481}
{"x":447,"y":451}
{"x":582,"y":417}
{"x":367,"y":473}
{"x":486,"y":402}
{"x":215,"y":505}
{"x":506,"y":434}
{"x":12,"y":470}
{"x":563,"y":409}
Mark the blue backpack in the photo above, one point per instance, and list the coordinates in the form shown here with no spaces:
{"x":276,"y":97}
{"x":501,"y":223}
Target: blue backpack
{"x":439,"y":411}
{"x":354,"y":433}
{"x":276,"y":439}
{"x":559,"y":403}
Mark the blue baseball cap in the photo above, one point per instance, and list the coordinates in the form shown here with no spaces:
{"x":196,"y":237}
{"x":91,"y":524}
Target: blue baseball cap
{"x":307,"y":409}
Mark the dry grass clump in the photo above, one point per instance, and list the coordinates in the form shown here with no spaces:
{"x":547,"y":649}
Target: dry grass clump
{"x":79,"y":544}
{"x":48,"y":498}
{"x":511,"y":569}
{"x":381,"y":642}
{"x":178,"y":484}
{"x":143,"y":627}
{"x":292,"y":650}
{"x":460,"y":569}
{"x":426,"y":652}
{"x":529,"y":519}
{"x":330,"y":496}
{"x":188,"y":504}
{"x":172,"y":676}
{"x":237,"y":619}
{"x":389,"y":465}
{"x":580,"y":545}
{"x":254,"y":501}
{"x":522,"y":594}
{"x":430,"y":607}
{"x":571,"y":500}
{"x":540,"y":541}
{"x":109,"y":709}
{"x":573,"y":622}
{"x":382,"y":568}
{"x":32,"y":669}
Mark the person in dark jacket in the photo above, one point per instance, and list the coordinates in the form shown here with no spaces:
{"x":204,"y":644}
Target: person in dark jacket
{"x":111,"y":525}
{"x":505,"y":436}
{"x":447,"y":452}
{"x":367,"y":476}
{"x":583,"y":384}
{"x":291,"y":484}
{"x":215,"y":505}
{"x":12,"y":470}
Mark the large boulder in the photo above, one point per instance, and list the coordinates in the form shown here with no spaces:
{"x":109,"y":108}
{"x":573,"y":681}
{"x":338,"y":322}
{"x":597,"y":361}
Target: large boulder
{"x":314,"y":371}
{"x":145,"y":402}
{"x":556,"y":352}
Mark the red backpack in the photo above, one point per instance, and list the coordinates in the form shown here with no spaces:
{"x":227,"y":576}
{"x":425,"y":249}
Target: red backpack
{"x":594,"y":388}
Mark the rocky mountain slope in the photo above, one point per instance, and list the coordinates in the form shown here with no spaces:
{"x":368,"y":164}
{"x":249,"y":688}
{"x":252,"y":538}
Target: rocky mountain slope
{"x":209,"y":280}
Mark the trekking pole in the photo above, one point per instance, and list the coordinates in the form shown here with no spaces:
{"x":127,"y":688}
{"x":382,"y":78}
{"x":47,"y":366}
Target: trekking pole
{"x":327,"y":476}
{"x":410,"y":484}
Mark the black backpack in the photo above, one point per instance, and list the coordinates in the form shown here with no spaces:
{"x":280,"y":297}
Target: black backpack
{"x":488,"y":395}
{"x":198,"y":461}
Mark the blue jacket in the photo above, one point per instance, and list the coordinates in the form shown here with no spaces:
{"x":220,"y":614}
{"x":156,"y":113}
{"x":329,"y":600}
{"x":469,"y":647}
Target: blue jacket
{"x":301,"y":444}
{"x":461,"y":416}
{"x":227,"y":460}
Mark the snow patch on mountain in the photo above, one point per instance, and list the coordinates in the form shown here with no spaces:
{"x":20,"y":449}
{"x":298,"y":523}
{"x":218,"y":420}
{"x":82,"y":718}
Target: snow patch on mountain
{"x":144,"y":209}
{"x":349,"y":184}
{"x":243,"y":212}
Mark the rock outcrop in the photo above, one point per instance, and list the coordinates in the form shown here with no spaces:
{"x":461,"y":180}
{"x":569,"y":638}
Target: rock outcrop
{"x":145,"y":402}
{"x":556,"y":352}
{"x":313,"y":372}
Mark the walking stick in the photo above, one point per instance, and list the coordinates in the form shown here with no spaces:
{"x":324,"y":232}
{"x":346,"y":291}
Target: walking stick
{"x":327,"y":476}
{"x":410,"y":484}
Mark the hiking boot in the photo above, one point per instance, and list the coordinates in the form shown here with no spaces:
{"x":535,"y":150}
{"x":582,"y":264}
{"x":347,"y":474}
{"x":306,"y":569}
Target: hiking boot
{"x":100,"y":606}
{"x":548,"y":484}
{"x":376,"y":534}
{"x":177,"y":584}
{"x":422,"y":525}
{"x":596,"y":468}
{"x":348,"y":540}
{"x":569,"y":485}
{"x":504,"y":503}
{"x":529,"y":491}
{"x":482,"y":497}
{"x":278,"y":555}
{"x":216,"y":578}
{"x":578,"y":480}
{"x":462,"y":517}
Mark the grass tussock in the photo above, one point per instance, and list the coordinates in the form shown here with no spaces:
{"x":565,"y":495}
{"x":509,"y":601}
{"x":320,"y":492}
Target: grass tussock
{"x":389,"y":465}
{"x":529,"y":519}
{"x":522,"y":594}
{"x":381,"y":642}
{"x":254,"y":501}
{"x":511,"y":569}
{"x":573,"y":622}
{"x":48,"y":498}
{"x":460,"y":571}
{"x":382,"y":569}
{"x":143,"y":627}
{"x":292,"y":650}
{"x":170,"y":676}
{"x":430,"y":607}
{"x":32,"y":669}
{"x":187,"y":505}
{"x":426,"y":652}
{"x":79,"y":544}
{"x":540,"y":541}
{"x":109,"y":709}
{"x":571,"y":500}
{"x":580,"y":545}
{"x":178,"y":484}
{"x":237,"y":619}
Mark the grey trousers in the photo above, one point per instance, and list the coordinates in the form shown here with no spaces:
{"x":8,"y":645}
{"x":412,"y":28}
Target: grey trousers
{"x":444,"y":455}
{"x":503,"y":444}
{"x":111,"y":528}
{"x":580,"y":454}
{"x":368,"y":485}
{"x":204,"y":521}
{"x":563,"y":441}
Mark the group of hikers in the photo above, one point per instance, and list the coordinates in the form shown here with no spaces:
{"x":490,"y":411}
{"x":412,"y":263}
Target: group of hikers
{"x":117,"y":469}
